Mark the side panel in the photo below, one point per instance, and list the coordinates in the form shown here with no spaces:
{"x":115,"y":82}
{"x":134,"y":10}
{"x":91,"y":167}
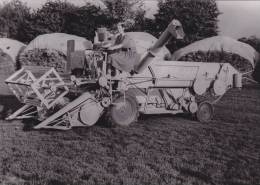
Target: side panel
{"x":182,"y":74}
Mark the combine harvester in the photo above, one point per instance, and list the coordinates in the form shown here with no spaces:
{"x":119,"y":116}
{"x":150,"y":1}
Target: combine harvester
{"x":153,"y":87}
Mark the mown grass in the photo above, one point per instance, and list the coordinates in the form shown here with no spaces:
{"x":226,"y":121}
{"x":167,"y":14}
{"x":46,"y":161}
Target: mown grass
{"x":156,"y":150}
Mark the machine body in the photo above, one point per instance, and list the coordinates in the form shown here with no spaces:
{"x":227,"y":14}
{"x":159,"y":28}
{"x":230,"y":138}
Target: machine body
{"x":153,"y":87}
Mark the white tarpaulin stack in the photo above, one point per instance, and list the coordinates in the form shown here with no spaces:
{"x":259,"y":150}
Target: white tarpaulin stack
{"x":50,"y":50}
{"x":221,"y":44}
{"x":144,"y":41}
{"x":11,"y":47}
{"x":7,"y":68}
{"x":58,"y":41}
{"x":9,"y":50}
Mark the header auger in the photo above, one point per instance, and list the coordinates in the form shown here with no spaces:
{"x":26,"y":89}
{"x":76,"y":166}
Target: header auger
{"x":152,"y":87}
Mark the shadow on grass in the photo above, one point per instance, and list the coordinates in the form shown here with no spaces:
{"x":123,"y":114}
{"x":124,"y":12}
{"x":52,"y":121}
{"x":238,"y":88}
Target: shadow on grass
{"x":55,"y":182}
{"x":196,"y":174}
{"x":185,"y":116}
{"x":8,"y":104}
{"x":251,"y":86}
{"x":29,"y":124}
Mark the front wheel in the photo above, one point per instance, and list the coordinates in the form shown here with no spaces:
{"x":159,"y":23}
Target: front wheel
{"x":205,"y":112}
{"x":124,"y":111}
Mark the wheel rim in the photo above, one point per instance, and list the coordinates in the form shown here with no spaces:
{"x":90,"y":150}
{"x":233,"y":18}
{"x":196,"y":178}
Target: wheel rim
{"x":205,"y":112}
{"x":124,"y":112}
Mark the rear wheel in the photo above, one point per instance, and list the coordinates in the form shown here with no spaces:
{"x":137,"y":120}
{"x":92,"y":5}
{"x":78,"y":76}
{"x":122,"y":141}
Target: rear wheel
{"x":125,"y":110}
{"x":205,"y":112}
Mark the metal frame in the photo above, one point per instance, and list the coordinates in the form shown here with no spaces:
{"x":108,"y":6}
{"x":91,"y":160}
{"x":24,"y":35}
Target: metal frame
{"x":20,"y":83}
{"x":64,"y":118}
{"x":25,"y":112}
{"x":49,"y":100}
{"x":30,"y":91}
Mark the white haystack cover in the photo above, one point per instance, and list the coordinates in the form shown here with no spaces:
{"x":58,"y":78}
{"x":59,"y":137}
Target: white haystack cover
{"x":35,"y":4}
{"x":7,"y":67}
{"x":97,"y":3}
{"x":58,"y":41}
{"x":144,"y":41}
{"x":219,"y":43}
{"x":11,"y":47}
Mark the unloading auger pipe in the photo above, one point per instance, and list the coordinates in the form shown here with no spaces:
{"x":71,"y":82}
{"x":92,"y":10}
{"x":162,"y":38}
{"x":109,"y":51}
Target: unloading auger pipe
{"x":175,"y":30}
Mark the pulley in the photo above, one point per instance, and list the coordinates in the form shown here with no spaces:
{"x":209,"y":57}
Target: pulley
{"x":205,"y":112}
{"x":105,"y":102}
{"x":200,"y":86}
{"x":219,"y":87}
{"x":90,"y":113}
{"x":193,"y":107}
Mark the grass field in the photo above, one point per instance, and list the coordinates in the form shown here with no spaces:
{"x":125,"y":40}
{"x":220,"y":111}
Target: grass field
{"x":156,"y":150}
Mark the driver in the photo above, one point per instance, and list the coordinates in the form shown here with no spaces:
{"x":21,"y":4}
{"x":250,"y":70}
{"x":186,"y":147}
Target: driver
{"x":124,"y":55}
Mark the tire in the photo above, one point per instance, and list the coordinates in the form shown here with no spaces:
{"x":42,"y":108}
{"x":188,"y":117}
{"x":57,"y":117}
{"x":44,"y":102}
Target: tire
{"x":123,"y":114}
{"x":205,"y":112}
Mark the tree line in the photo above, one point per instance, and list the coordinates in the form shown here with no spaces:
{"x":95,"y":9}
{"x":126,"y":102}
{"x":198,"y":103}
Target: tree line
{"x":199,"y":18}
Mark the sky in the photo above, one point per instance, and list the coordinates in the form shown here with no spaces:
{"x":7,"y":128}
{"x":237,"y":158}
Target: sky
{"x":238,"y":19}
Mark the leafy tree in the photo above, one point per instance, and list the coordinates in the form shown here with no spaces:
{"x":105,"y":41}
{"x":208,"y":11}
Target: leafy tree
{"x":83,"y":21}
{"x":141,"y":23}
{"x":28,"y":30}
{"x":12,"y":16}
{"x":62,"y":16}
{"x":198,"y":17}
{"x":127,"y":11}
{"x":121,"y":10}
{"x":49,"y":18}
{"x":52,"y":15}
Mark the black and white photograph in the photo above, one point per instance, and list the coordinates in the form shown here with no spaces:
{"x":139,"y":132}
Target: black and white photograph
{"x":129,"y":92}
